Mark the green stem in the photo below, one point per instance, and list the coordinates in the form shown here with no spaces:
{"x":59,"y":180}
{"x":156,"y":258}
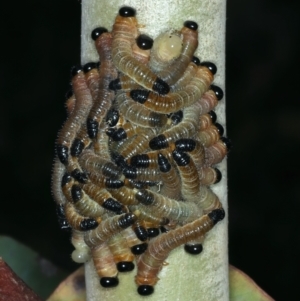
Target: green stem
{"x":186,"y":277}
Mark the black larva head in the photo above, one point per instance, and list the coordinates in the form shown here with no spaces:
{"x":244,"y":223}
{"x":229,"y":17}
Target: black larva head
{"x":79,"y":175}
{"x":191,"y":25}
{"x":88,"y":224}
{"x":115,"y":84}
{"x":139,"y":249}
{"x":75,"y":70}
{"x":145,"y":197}
{"x":216,"y":215}
{"x":153,"y":232}
{"x":76,"y":193}
{"x":139,"y":95}
{"x":181,"y":158}
{"x":144,"y":42}
{"x":109,"y":281}
{"x":127,"y":11}
{"x":112,"y":117}
{"x":141,"y":161}
{"x":92,"y":127}
{"x":97,"y":32}
{"x":176,"y":117}
{"x":161,"y":87}
{"x":66,"y":179}
{"x":125,"y":266}
{"x":145,"y":290}
{"x":130,"y":172}
{"x":195,"y":60}
{"x":185,"y":144}
{"x":126,"y":220}
{"x":219,"y":128}
{"x":218,"y":175}
{"x":213,"y":116}
{"x":158,"y":142}
{"x":141,"y":233}
{"x":194,"y":249}
{"x":218,"y":91}
{"x":163,"y":163}
{"x":77,"y":147}
{"x":227,"y":143}
{"x":112,"y":205}
{"x":89,"y":66}
{"x":210,"y":66}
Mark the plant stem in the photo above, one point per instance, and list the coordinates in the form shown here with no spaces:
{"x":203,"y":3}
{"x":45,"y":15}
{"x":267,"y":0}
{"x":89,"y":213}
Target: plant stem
{"x":186,"y":277}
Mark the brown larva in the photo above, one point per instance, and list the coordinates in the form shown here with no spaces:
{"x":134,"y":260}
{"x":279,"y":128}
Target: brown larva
{"x":169,"y":208}
{"x":138,"y":114}
{"x":122,"y":254}
{"x":107,"y":228}
{"x":105,"y":266}
{"x":209,"y":175}
{"x":216,"y":153}
{"x":107,"y":73}
{"x":210,"y":135}
{"x":175,"y":101}
{"x":150,"y":263}
{"x":124,"y":34}
{"x":206,"y":120}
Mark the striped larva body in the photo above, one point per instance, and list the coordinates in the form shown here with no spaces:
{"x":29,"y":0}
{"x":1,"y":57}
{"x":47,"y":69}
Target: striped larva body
{"x":186,"y":128}
{"x":122,"y":254}
{"x":150,"y":263}
{"x":138,"y":114}
{"x":90,"y":161}
{"x":216,"y":153}
{"x":175,"y":101}
{"x":107,"y":228}
{"x":190,"y":183}
{"x":210,"y":135}
{"x":171,"y":182}
{"x":209,"y":175}
{"x":206,"y":120}
{"x":75,"y":120}
{"x":105,"y":266}
{"x":125,"y":195}
{"x":107,"y":73}
{"x":169,"y":208}
{"x":124,"y":35}
{"x":56,"y":188}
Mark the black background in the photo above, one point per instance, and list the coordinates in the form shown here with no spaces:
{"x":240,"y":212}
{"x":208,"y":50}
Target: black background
{"x":41,"y":41}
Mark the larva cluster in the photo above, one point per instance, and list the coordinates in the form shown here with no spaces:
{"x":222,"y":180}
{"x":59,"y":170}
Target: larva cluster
{"x":135,"y":158}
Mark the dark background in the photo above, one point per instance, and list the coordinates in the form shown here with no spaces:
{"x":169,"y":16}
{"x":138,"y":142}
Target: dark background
{"x":263,"y":120}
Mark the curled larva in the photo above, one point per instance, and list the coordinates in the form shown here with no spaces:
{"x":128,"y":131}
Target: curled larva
{"x":138,"y":114}
{"x":78,"y":221}
{"x":210,"y":135}
{"x":209,"y":175}
{"x":58,"y":171}
{"x":216,"y":153}
{"x":107,"y":228}
{"x":206,"y":120}
{"x":125,"y":195}
{"x":100,"y":195}
{"x":122,"y":254}
{"x":82,"y":252}
{"x":169,"y":208}
{"x":105,"y":266}
{"x":190,"y":183}
{"x":92,"y":78}
{"x":124,"y":34}
{"x":171,"y":181}
{"x":175,"y":101}
{"x":174,"y":71}
{"x":151,"y":262}
{"x":92,"y":162}
{"x":107,"y":73}
{"x":186,"y":128}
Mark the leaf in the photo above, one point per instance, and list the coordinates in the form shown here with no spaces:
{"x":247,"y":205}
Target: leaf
{"x":243,"y":288}
{"x":38,"y":273}
{"x":12,"y":288}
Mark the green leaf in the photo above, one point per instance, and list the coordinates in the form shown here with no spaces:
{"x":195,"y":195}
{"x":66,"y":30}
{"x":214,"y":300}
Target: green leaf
{"x":243,"y":288}
{"x":37,"y":272}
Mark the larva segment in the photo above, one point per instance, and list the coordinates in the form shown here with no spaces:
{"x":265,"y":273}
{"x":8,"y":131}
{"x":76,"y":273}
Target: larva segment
{"x":216,"y":153}
{"x":75,"y":120}
{"x":124,"y":34}
{"x":206,"y":120}
{"x":209,"y":175}
{"x":58,"y":171}
{"x":105,"y":265}
{"x":210,"y":135}
{"x":177,"y":100}
{"x":121,"y":253}
{"x":150,"y":263}
{"x":107,"y":73}
{"x":107,"y":228}
{"x":138,"y":114}
{"x":169,"y":208}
